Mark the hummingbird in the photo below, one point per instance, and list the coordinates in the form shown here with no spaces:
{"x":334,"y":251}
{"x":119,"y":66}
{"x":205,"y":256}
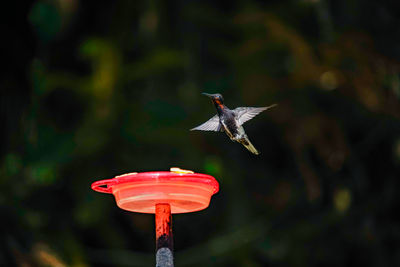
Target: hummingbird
{"x":231,"y":121}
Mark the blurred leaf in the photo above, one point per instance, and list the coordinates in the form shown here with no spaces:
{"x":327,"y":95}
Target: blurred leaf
{"x":46,"y":19}
{"x":342,"y":200}
{"x":105,"y":62}
{"x":42,"y":173}
{"x":213,"y":166}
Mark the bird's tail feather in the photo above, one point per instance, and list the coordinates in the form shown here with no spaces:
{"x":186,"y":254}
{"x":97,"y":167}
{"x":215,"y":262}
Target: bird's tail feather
{"x":247,"y":144}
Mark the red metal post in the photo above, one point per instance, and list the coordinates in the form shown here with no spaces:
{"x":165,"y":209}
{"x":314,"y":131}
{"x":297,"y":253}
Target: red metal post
{"x":164,"y":240}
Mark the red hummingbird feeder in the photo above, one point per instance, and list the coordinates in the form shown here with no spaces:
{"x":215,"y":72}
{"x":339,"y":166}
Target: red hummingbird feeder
{"x":162,"y":193}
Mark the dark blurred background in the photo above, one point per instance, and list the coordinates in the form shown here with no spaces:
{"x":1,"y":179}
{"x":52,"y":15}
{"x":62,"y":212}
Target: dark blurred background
{"x":94,"y":89}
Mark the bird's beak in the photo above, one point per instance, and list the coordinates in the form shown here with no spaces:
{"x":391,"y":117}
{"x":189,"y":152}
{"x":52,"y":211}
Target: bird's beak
{"x":209,"y":95}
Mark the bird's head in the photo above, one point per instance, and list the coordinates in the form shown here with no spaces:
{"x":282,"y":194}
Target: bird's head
{"x":216,"y":98}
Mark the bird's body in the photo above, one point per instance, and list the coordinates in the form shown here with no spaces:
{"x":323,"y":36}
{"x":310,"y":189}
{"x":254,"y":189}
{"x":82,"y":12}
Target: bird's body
{"x":231,"y":121}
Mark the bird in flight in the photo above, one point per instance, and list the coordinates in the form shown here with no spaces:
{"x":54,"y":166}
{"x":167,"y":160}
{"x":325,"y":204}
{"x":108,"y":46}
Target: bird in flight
{"x":231,"y":121}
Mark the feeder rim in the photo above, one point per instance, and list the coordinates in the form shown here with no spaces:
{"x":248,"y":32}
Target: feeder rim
{"x":106,"y":185}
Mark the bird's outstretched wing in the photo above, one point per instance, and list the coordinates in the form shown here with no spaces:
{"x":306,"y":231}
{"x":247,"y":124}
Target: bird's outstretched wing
{"x":244,"y":114}
{"x":212,"y":124}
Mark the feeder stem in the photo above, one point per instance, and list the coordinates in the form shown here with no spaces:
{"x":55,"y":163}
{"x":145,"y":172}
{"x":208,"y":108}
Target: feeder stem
{"x":164,"y":241}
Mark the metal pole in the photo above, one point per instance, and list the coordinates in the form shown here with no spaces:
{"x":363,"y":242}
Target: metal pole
{"x":164,"y":241}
